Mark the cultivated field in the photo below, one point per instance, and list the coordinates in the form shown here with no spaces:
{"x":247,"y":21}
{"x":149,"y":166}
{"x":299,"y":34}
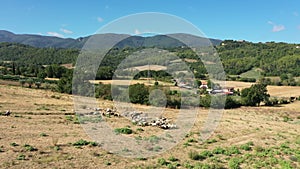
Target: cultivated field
{"x":44,"y":121}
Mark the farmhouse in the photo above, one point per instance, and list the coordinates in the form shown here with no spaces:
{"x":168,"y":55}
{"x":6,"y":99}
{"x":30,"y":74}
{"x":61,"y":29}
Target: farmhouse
{"x":203,"y":85}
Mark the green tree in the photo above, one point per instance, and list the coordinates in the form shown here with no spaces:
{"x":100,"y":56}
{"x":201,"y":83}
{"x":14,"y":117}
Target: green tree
{"x":49,"y":71}
{"x":105,"y":73}
{"x":13,"y":68}
{"x":41,"y":75}
{"x":22,"y":82}
{"x":18,"y":71}
{"x":38,"y":84}
{"x":29,"y":82}
{"x":284,"y":77}
{"x":254,"y":95}
{"x":139,"y":93}
{"x":64,"y":85}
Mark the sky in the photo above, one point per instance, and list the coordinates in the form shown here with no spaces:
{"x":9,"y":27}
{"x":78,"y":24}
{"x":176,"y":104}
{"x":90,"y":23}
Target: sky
{"x":255,"y":20}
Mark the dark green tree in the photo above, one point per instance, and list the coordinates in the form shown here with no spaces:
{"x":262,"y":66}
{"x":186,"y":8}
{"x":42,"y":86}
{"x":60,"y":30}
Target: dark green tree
{"x":49,"y":71}
{"x":38,"y":84}
{"x":105,"y":73}
{"x":29,"y":82}
{"x":139,"y":93}
{"x":254,"y":95}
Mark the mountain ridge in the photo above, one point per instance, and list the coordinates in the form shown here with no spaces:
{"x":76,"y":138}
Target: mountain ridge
{"x":42,"y":41}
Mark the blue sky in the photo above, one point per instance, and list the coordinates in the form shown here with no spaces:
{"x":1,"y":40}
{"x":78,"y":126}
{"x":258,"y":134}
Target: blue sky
{"x":255,"y":20}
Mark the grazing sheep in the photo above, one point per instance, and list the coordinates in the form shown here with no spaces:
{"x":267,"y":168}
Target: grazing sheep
{"x":7,"y":113}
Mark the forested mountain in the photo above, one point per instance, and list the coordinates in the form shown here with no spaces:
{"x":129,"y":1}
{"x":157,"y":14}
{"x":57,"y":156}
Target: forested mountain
{"x":272,"y":58}
{"x":130,"y":41}
{"x":41,"y":41}
{"x":25,"y":54}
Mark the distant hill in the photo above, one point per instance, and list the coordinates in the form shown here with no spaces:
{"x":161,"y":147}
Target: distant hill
{"x":132,"y":41}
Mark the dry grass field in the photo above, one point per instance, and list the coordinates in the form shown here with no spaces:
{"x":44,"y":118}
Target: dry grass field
{"x":276,"y":91}
{"x":43,"y":120}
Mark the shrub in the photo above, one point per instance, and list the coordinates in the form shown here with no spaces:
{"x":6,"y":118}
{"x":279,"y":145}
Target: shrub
{"x":21,"y":157}
{"x":206,"y":154}
{"x":259,"y":149}
{"x":43,"y":135}
{"x":139,"y":93}
{"x":195,"y":156}
{"x":211,"y":141}
{"x":162,"y":161}
{"x":14,"y":144}
{"x":245,"y":147}
{"x":219,"y":150}
{"x":29,"y":148}
{"x":56,"y":148}
{"x":234,"y":163}
{"x":232,"y":150}
{"x":285,"y":164}
{"x":81,"y":142}
{"x":123,"y":130}
{"x":94,"y":144}
{"x":171,"y":166}
{"x":172,"y":158}
{"x":231,"y":103}
{"x":191,"y":140}
{"x":287,"y":118}
{"x":139,"y":129}
{"x":107,"y":163}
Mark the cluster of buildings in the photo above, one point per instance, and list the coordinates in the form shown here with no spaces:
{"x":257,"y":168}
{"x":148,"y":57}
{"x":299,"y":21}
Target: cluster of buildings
{"x":225,"y":91}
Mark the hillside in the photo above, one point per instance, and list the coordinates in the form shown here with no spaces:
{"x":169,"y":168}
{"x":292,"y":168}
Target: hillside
{"x":133,"y":41}
{"x":238,"y":57}
{"x":273,"y":59}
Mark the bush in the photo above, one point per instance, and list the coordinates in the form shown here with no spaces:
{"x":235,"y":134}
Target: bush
{"x":234,"y":163}
{"x":14,"y":144}
{"x":139,"y":93}
{"x":43,"y":135}
{"x":232,"y":103}
{"x":123,"y":130}
{"x":162,"y":161}
{"x":195,"y":156}
{"x":271,"y":102}
{"x":173,"y":159}
{"x":245,"y":147}
{"x":29,"y":148}
{"x":206,"y":153}
{"x":210,"y":141}
{"x":21,"y":157}
{"x":232,"y":150}
{"x":81,"y":142}
{"x":219,"y":150}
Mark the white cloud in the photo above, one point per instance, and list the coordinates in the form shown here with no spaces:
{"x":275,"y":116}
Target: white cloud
{"x":66,"y":31}
{"x":55,"y":34}
{"x":276,"y":28}
{"x":137,"y":32}
{"x":99,"y":19}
